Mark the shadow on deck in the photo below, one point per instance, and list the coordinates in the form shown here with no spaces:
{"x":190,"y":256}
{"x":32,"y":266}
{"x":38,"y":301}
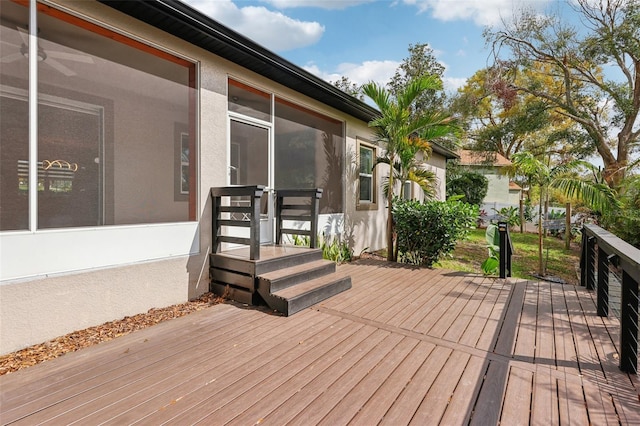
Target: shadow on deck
{"x":404,"y":345}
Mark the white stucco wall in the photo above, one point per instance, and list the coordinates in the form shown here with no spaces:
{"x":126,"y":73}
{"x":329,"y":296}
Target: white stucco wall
{"x":37,"y":308}
{"x":498,"y":189}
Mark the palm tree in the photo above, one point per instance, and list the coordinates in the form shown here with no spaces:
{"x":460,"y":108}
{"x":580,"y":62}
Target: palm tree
{"x":400,"y":128}
{"x":596,"y":194}
{"x":409,"y":169}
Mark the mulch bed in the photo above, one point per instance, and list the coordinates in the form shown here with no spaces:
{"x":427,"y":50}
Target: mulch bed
{"x":71,"y":342}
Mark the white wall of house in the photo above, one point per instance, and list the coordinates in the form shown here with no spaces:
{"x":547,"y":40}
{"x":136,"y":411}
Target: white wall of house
{"x":498,"y":189}
{"x":438,"y":164}
{"x":514,"y":196}
{"x":105,"y":273}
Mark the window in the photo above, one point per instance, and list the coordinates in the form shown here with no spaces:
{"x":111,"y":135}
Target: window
{"x":366,"y":176}
{"x":308,"y":147}
{"x":108,"y":152}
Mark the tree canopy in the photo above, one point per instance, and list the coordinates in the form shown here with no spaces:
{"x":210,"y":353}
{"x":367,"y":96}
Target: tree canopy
{"x":607,"y":108}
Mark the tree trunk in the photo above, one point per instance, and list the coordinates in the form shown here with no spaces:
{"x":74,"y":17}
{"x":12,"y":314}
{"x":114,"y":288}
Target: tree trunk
{"x":541,"y":270}
{"x":390,"y":250}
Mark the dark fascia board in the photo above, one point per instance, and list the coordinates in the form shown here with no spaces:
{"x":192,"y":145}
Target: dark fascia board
{"x":445,"y":152}
{"x":185,"y":22}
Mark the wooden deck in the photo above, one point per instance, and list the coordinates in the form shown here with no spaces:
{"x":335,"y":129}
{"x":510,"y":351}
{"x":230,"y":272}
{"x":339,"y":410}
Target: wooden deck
{"x":403,"y":346}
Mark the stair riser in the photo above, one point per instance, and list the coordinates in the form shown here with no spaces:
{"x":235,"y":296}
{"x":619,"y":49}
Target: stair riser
{"x":233,"y":293}
{"x":309,"y":299}
{"x":291,"y":280}
{"x":228,"y":277}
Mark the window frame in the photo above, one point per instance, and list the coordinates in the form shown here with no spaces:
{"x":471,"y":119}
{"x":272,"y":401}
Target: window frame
{"x":373,"y":203}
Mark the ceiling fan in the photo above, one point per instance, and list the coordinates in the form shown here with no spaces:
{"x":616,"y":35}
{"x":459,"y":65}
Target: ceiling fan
{"x":49,"y":57}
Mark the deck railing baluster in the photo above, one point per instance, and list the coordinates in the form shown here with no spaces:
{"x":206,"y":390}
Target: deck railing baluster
{"x":614,"y":251}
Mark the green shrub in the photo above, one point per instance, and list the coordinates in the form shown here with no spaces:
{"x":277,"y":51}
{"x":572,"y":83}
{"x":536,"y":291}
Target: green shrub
{"x":427,"y":231}
{"x":335,"y":249}
{"x":473,"y":186}
{"x":511,"y":215}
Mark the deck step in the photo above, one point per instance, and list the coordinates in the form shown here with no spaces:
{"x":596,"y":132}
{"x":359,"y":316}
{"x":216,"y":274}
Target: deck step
{"x":287,"y":277}
{"x":300,"y":296}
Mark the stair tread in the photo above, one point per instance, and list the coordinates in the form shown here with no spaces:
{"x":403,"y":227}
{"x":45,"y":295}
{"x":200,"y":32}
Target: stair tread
{"x":293,"y":270}
{"x":309,"y":286}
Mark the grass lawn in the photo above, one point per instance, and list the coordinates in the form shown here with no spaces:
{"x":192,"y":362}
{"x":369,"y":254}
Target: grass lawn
{"x":561,"y":263}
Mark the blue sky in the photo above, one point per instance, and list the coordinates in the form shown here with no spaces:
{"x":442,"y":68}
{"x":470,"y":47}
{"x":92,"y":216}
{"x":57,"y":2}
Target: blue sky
{"x":366,"y":40}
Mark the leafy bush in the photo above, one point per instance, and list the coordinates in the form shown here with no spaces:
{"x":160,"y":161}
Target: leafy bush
{"x":427,"y":231}
{"x":301,"y":240}
{"x":511,"y":215}
{"x":336,"y":250}
{"x":472,"y":185}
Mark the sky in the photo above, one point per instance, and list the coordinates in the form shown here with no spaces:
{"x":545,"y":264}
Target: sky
{"x":366,"y":40}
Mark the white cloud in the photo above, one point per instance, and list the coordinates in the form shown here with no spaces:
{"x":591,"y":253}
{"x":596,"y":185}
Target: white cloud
{"x":321,"y":4}
{"x":378,"y":71}
{"x":262,"y":25}
{"x":481,"y":12}
{"x":452,"y":84}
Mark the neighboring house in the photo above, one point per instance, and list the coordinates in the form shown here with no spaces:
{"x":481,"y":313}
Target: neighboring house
{"x":515,"y":193}
{"x":114,"y":127}
{"x":501,"y":191}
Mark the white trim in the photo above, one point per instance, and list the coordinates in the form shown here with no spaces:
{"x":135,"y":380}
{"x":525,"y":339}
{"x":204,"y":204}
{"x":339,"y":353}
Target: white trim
{"x":31,"y":255}
{"x":33,"y":116}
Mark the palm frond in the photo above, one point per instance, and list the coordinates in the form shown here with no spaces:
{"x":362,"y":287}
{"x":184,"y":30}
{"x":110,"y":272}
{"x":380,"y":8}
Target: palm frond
{"x":598,"y":196}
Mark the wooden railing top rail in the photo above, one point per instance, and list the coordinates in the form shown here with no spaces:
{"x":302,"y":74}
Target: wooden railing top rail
{"x":237,"y":191}
{"x":317,"y":192}
{"x":628,"y":255}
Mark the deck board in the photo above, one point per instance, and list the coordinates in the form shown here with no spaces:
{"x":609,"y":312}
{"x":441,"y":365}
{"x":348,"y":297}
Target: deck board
{"x":404,"y":345}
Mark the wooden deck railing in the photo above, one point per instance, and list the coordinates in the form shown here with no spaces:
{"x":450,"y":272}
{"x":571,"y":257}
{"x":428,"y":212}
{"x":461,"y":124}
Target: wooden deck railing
{"x":603,"y":252}
{"x":306,"y":212}
{"x":305,"y":203}
{"x":506,"y":250}
{"x":251,"y":213}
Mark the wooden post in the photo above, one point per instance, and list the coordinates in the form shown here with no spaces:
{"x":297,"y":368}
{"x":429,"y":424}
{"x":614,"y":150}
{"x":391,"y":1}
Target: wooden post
{"x":215,"y":231}
{"x":254,"y":229}
{"x":279,"y":201}
{"x":567,"y":229}
{"x":315,"y":209}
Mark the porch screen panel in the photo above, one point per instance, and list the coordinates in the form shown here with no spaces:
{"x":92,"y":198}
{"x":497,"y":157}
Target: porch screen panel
{"x":309,"y":153}
{"x":125,"y":162}
{"x":116,"y":127}
{"x":14,"y":118}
